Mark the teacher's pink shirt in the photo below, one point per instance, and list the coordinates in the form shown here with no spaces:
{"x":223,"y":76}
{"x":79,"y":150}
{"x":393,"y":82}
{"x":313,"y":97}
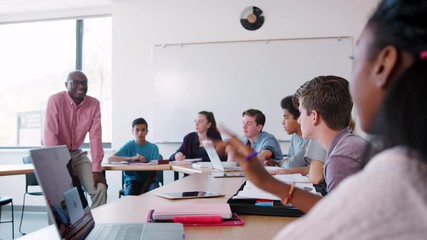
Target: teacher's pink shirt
{"x":68,"y":124}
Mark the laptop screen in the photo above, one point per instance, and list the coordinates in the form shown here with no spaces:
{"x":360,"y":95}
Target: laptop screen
{"x":63,"y":192}
{"x":213,"y":155}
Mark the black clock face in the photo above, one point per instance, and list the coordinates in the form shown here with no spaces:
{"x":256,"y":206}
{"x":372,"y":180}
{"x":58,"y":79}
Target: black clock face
{"x":252,"y":18}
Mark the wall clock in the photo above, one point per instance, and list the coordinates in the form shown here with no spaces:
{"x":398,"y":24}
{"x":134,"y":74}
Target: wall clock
{"x":252,"y":18}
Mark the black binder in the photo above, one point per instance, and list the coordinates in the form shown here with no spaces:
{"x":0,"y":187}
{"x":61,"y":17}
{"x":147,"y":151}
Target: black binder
{"x":247,"y":206}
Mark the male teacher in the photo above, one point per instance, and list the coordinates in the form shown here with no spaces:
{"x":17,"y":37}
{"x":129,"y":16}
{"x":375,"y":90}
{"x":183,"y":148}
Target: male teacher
{"x":70,"y":115}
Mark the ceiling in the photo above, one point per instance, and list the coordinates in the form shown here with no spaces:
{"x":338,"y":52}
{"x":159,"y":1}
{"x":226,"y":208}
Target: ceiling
{"x":10,"y":7}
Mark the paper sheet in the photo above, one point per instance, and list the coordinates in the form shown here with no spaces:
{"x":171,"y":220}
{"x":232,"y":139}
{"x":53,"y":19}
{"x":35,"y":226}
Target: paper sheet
{"x":252,"y":191}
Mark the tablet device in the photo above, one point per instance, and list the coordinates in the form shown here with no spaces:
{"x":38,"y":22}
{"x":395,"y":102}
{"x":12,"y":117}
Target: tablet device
{"x":189,"y":194}
{"x":227,"y":175}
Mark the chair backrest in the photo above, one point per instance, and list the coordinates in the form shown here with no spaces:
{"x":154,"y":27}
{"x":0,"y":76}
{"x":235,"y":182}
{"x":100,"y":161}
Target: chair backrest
{"x":31,"y":179}
{"x":159,"y":177}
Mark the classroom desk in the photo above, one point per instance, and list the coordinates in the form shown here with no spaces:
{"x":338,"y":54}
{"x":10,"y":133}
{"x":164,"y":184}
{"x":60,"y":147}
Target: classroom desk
{"x":135,"y":167}
{"x":188,"y":169}
{"x":134,"y":209}
{"x":15,"y":169}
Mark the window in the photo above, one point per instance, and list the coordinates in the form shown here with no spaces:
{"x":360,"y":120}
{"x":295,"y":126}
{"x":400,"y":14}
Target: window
{"x":36,"y":58}
{"x":96,"y":62}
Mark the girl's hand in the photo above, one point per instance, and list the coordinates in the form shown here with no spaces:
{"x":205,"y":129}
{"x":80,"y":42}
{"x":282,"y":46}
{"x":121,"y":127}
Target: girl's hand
{"x":179,"y":156}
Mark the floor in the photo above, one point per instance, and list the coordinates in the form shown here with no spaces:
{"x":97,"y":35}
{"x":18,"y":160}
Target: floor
{"x":32,"y":222}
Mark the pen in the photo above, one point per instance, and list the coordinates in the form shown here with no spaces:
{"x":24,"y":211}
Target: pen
{"x":251,"y":155}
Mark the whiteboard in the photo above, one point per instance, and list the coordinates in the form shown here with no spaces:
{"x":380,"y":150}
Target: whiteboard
{"x":228,"y":78}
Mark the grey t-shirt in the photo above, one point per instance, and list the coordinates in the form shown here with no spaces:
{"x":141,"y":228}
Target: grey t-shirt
{"x":314,"y":152}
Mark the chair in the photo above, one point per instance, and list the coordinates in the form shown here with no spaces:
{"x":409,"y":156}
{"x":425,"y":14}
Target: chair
{"x":158,"y":177}
{"x":122,"y":191}
{"x":5,"y":201}
{"x":30,"y":180}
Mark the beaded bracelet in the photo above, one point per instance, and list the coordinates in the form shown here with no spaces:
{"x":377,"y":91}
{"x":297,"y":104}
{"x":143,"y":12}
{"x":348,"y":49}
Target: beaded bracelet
{"x":251,"y":155}
{"x":290,"y":195}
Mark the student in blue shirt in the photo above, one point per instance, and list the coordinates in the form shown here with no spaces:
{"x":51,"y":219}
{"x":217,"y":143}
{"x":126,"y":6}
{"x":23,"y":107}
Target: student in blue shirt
{"x":298,"y":144}
{"x":262,"y":142}
{"x":139,"y":149}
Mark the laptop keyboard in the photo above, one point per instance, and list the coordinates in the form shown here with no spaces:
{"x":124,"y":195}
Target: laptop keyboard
{"x":117,"y":231}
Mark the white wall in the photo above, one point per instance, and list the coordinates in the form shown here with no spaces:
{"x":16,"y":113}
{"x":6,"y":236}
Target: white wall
{"x":138,"y":25}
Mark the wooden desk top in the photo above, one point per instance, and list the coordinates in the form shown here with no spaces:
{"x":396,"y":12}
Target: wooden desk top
{"x":134,"y":209}
{"x":188,"y":169}
{"x":135,"y":167}
{"x":15,"y":169}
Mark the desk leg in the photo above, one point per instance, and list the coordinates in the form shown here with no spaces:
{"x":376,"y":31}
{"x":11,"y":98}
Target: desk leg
{"x":175,"y":175}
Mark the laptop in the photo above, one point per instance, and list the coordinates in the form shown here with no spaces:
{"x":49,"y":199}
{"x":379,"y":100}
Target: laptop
{"x":216,"y":161}
{"x":68,"y":207}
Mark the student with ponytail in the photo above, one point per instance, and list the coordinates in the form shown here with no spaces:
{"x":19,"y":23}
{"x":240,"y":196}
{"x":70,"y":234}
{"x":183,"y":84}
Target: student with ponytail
{"x":192,"y":146}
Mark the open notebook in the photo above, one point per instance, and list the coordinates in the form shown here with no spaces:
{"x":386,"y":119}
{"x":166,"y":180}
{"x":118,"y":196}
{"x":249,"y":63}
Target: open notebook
{"x":253,"y":192}
{"x":70,"y":210}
